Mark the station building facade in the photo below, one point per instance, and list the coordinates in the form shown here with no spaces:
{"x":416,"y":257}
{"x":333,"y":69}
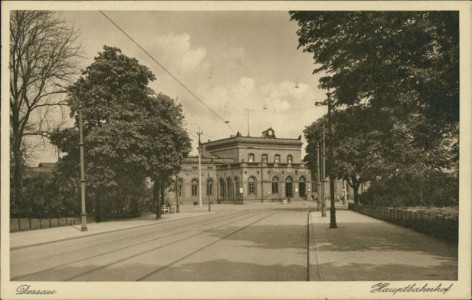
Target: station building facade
{"x":244,"y":169}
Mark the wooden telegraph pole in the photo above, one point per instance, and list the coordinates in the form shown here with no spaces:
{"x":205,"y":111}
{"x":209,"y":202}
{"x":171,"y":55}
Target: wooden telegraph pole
{"x":200,"y":204}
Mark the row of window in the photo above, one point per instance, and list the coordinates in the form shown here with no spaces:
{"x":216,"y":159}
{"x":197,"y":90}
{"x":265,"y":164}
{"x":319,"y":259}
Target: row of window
{"x":265,"y":158}
{"x":230,"y":188}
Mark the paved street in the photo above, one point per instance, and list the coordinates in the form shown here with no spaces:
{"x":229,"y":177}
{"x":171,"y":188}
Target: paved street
{"x":258,"y":242}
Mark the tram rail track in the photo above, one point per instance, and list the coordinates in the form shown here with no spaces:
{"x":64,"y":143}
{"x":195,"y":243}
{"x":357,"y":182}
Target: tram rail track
{"x":114,"y":240}
{"x":134,"y":245}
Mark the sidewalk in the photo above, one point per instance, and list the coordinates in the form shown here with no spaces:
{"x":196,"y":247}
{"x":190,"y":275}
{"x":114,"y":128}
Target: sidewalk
{"x":366,"y":249}
{"x":43,"y":236}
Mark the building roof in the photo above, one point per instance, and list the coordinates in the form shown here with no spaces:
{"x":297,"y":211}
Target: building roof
{"x":43,"y":167}
{"x":267,"y":138}
{"x":49,"y":165}
{"x":206,"y":160}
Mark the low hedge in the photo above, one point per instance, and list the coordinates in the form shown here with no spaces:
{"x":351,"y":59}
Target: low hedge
{"x":444,"y":227}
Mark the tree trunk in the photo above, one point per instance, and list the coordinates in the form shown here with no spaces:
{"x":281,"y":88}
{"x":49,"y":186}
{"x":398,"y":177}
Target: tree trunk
{"x":122,"y":205}
{"x":17,"y":173}
{"x":354,"y":184}
{"x":356,"y":193}
{"x":162,"y":191}
{"x":157,"y":198}
{"x":134,"y":207}
{"x":98,"y":213}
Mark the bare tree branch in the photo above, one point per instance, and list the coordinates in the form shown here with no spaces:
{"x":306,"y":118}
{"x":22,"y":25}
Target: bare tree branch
{"x":43,"y":54}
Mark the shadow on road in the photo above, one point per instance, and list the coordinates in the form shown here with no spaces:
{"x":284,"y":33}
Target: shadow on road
{"x":373,"y":236}
{"x":210,"y":270}
{"x":385,"y":272}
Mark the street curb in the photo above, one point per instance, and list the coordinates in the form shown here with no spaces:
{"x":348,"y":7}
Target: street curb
{"x":313,"y":267}
{"x":308,"y":246}
{"x":98,"y":233}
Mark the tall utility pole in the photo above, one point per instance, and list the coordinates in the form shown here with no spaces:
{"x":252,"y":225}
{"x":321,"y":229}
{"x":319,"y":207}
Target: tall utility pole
{"x":82,"y":174}
{"x":262,"y":181}
{"x":177,"y":208}
{"x":199,"y":191}
{"x":332,"y":209}
{"x":208,"y":193}
{"x":248,"y":120}
{"x":318,"y":174}
{"x":323,"y":174}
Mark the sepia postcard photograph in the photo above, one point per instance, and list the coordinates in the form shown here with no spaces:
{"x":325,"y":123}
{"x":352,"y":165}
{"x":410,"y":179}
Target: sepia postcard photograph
{"x":236,"y":150}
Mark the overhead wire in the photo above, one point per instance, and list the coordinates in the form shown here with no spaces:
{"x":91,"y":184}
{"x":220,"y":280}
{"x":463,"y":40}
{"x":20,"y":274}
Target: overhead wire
{"x":166,"y":70}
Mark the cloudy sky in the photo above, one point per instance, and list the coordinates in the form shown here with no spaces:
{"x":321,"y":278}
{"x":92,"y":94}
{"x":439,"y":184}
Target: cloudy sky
{"x":233,"y":61}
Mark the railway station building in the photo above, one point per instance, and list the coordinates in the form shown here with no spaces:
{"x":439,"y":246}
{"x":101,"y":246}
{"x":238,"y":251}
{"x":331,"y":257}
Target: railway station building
{"x":244,"y":169}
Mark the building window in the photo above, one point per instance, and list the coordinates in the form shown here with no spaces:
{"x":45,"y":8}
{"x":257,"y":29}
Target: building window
{"x":251,"y":185}
{"x":209,"y":187}
{"x":222,"y":188}
{"x":289,"y":159}
{"x":194,"y":187}
{"x":264,"y":158}
{"x":251,"y":158}
{"x":277,"y":159}
{"x":275,"y":185}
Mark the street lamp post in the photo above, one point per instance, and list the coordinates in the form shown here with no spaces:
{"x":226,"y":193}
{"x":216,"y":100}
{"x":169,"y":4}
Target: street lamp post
{"x":200,"y":204}
{"x":318,"y":175}
{"x":208,"y":192}
{"x":177,"y":208}
{"x":323,"y":174}
{"x":332,"y":209}
{"x":82,"y":174}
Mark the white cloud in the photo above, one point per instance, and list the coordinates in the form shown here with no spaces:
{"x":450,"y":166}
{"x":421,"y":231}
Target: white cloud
{"x":286,"y":95}
{"x":267,"y":101}
{"x":175,"y":51}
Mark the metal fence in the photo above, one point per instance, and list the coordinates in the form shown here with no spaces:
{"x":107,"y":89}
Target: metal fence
{"x":445,"y":228}
{"x":23,"y":224}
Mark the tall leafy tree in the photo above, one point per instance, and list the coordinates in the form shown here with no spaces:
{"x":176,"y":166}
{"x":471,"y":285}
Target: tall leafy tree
{"x":110,"y":93}
{"x":168,"y":144}
{"x":357,"y":145}
{"x":398,"y":67}
{"x":43,"y":56}
{"x":405,"y":62}
{"x":131,"y":134}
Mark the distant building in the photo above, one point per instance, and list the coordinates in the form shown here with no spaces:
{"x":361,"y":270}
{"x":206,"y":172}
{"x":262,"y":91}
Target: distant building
{"x":242,"y":169}
{"x":43,"y":167}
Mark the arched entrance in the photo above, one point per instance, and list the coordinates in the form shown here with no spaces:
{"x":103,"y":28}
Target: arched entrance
{"x":302,"y":186}
{"x":230,"y":188}
{"x":222,"y":189}
{"x":275,"y":186}
{"x":289,"y":187}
